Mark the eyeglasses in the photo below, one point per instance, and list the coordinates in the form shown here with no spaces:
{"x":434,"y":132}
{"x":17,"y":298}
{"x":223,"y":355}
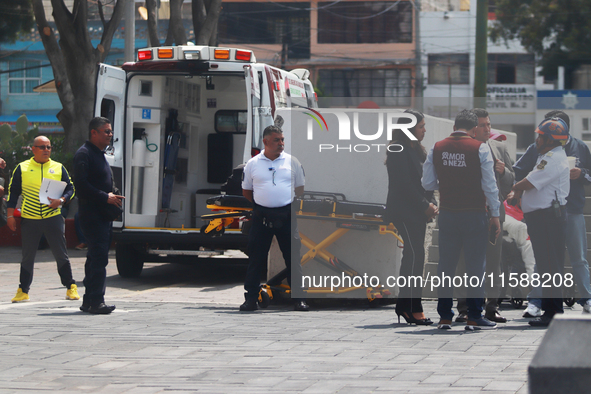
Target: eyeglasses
{"x":273,"y":179}
{"x":108,"y":131}
{"x":42,"y":147}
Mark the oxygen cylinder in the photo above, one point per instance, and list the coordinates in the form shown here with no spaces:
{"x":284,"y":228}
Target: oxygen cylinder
{"x":138,"y":163}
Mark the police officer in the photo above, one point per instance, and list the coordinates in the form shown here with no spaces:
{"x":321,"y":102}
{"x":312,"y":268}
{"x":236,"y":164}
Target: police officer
{"x":543,"y":195}
{"x":270,"y":181}
{"x":576,"y":232}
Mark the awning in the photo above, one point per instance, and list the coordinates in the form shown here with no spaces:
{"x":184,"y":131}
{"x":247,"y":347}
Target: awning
{"x":47,"y":87}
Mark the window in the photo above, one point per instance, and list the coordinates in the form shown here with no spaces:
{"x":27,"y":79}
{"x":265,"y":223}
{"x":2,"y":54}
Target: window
{"x":511,"y":69}
{"x":25,"y":77}
{"x":448,"y":69}
{"x":361,"y":22}
{"x":390,"y":83}
{"x":267,"y":23}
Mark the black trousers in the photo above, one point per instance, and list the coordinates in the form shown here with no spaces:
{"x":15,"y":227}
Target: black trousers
{"x":53,"y":229}
{"x":98,"y":234}
{"x":412,"y":232}
{"x":547,"y":235}
{"x":260,"y":238}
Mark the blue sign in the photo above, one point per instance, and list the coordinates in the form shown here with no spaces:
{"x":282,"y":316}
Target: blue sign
{"x":564,"y":99}
{"x":146,"y":113}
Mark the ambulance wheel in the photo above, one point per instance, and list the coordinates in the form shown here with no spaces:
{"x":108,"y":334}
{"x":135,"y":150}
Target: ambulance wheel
{"x":130,"y":261}
{"x":265,"y":299}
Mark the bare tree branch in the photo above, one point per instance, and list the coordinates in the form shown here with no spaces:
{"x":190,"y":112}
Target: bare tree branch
{"x":53,"y":50}
{"x":109,"y":31}
{"x":101,"y":12}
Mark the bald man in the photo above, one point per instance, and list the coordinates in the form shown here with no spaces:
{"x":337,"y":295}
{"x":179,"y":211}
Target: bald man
{"x":40,"y":218}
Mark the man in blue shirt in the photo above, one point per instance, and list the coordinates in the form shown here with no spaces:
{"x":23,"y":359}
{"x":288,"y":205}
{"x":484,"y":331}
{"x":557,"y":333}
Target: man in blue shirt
{"x":576,"y":233}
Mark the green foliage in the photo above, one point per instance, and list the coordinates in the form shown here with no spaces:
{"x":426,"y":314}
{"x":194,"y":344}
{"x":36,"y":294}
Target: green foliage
{"x":15,"y":145}
{"x":16,"y":17}
{"x":60,"y":154}
{"x":558,"y":31}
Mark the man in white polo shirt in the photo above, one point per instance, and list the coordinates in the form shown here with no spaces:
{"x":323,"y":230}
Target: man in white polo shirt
{"x":271,"y":180}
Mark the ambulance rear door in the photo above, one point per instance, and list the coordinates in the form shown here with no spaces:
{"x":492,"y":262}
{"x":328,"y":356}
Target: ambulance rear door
{"x":110,"y":103}
{"x":260,"y":111}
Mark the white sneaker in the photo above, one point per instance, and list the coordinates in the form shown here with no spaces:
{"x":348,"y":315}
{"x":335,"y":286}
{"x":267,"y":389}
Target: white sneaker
{"x":587,"y":307}
{"x":534,"y":311}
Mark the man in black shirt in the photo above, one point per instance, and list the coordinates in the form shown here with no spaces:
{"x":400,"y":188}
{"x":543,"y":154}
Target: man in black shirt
{"x":93,"y":180}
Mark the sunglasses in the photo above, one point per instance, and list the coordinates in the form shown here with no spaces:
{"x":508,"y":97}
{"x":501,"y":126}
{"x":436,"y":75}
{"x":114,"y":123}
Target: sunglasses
{"x":42,"y":147}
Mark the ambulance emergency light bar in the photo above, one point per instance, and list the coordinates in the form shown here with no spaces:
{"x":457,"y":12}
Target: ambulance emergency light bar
{"x":195,"y":53}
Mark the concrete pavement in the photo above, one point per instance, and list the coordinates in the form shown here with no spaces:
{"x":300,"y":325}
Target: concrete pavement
{"x":178,"y":329}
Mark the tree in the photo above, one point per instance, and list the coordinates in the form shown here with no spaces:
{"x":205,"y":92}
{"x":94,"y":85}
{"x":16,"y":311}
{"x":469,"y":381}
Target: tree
{"x":558,"y":31}
{"x":74,"y":61}
{"x":16,"y":17}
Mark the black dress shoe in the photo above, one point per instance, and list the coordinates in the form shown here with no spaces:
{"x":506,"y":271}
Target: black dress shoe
{"x":249,"y":305}
{"x":101,"y":309}
{"x":542,"y":321}
{"x":495,"y":316}
{"x":301,"y":306}
{"x":84,"y":307}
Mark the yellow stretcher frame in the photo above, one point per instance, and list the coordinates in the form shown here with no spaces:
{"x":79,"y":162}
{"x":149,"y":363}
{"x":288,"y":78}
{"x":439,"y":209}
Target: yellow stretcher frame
{"x":219,"y":221}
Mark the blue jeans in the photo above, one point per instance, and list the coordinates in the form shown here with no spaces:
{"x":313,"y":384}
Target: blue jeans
{"x":576,"y":244}
{"x":457,"y":231}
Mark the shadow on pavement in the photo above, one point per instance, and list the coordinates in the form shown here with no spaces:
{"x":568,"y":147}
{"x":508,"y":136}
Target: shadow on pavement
{"x":218,"y":275}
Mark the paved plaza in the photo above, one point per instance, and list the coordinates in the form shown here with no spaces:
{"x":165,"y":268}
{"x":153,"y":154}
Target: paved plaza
{"x":178,"y":329}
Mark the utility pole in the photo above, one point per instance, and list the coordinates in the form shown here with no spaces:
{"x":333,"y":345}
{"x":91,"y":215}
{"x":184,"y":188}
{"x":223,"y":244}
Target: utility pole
{"x":129,"y":31}
{"x":480,"y":63}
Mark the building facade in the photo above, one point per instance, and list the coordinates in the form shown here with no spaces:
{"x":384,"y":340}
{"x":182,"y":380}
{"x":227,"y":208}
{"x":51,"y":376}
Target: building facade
{"x":448,"y":41}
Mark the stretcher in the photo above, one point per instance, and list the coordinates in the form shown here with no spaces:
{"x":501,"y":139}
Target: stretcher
{"x":320,"y":206}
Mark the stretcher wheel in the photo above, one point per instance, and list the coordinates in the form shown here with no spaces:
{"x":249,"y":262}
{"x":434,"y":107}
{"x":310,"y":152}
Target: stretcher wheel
{"x":264,"y":299}
{"x":517,"y":302}
{"x":569,"y":301}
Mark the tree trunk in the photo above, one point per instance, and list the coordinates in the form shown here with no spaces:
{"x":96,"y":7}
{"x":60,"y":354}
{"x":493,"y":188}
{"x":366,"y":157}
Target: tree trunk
{"x":176,"y":30}
{"x":153,"y":41}
{"x":206,"y":33}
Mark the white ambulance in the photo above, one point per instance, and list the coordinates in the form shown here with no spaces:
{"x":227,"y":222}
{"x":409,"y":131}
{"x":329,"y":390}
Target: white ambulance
{"x":183,"y":117}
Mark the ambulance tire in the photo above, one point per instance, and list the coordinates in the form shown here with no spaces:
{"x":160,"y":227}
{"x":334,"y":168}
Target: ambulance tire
{"x":130,"y":260}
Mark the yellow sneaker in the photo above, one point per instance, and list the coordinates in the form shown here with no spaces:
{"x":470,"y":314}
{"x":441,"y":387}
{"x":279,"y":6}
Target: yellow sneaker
{"x":20,"y":296}
{"x":72,"y":293}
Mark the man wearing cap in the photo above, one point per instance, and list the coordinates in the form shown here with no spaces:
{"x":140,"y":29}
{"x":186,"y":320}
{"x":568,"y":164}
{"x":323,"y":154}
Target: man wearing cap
{"x":576,"y":232}
{"x":543,"y":195}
